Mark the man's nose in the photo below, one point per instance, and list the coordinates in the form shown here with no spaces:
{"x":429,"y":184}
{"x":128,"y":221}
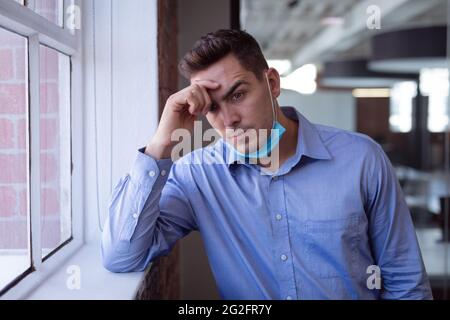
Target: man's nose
{"x":230,"y":117}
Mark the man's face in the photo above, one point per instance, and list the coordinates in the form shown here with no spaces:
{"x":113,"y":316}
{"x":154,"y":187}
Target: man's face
{"x":242,"y":107}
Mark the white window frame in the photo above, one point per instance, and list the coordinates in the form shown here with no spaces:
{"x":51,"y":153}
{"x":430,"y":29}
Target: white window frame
{"x":21,"y":20}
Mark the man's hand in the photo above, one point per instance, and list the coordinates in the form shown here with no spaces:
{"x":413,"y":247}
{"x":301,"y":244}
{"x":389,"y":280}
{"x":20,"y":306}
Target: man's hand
{"x":181,"y":110}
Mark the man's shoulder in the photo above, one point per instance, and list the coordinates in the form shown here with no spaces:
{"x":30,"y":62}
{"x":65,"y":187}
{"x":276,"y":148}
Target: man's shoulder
{"x":336,"y":138}
{"x":357,"y":151}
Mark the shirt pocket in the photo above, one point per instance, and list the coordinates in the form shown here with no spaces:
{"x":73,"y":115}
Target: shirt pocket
{"x":332,"y":246}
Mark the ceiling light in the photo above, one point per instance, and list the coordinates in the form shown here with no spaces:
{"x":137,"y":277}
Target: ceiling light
{"x":332,"y":21}
{"x":371,"y":93}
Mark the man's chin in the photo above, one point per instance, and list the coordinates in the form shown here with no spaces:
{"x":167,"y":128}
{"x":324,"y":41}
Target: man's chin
{"x":243,"y":148}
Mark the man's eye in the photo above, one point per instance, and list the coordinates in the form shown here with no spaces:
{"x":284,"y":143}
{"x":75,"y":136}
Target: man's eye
{"x":238,"y":96}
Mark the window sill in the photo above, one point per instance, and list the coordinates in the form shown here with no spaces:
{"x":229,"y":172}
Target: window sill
{"x":95,"y":281}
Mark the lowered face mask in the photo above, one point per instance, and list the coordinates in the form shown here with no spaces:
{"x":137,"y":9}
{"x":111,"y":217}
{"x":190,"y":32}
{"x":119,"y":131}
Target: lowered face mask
{"x":272,"y":141}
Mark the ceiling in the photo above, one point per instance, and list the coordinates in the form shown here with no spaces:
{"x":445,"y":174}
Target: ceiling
{"x":296,"y":30}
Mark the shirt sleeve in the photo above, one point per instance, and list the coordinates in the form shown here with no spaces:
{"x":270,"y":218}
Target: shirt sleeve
{"x":393,"y":238}
{"x":148,"y":213}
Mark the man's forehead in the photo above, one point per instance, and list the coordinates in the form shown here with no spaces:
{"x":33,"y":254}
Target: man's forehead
{"x":226,"y":71}
{"x":225,"y":80}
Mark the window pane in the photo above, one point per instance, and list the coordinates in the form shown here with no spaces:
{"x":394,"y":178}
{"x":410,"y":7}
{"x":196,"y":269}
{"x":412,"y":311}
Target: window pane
{"x":55,"y":148}
{"x":52,"y":10}
{"x":14,"y":218}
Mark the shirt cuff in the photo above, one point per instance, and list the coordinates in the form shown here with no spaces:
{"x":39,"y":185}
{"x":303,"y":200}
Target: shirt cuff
{"x":146,"y":170}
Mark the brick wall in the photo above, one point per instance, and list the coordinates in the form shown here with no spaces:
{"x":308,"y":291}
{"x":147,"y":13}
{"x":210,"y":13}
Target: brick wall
{"x":13,"y":140}
{"x":50,"y":149}
{"x":13,"y":172}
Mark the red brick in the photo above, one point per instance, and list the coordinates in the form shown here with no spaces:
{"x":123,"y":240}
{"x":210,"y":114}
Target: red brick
{"x":12,"y":98}
{"x":49,"y":202}
{"x":49,"y":168}
{"x":8,"y":202}
{"x":48,"y":64}
{"x":22,"y":133}
{"x":6,"y":65}
{"x":14,"y":234}
{"x":6,"y":134}
{"x":49,"y":98}
{"x":49,"y":134}
{"x":19,"y":59}
{"x":9,"y":39}
{"x":51,"y":233}
{"x":13,"y":168}
{"x":23,"y":202}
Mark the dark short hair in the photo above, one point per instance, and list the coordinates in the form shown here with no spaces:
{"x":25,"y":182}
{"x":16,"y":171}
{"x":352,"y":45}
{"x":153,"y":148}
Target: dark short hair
{"x":216,"y":45}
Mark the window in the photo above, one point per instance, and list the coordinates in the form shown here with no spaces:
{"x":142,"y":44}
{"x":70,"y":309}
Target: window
{"x":14,"y":179}
{"x":36,"y":77}
{"x":54,"y":148}
{"x":50,"y":9}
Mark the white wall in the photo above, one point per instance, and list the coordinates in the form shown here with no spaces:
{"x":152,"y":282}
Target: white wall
{"x":332,"y":108}
{"x":127,"y":93}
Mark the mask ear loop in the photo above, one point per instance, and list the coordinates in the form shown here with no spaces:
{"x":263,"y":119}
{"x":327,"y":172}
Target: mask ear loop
{"x":274,"y":114}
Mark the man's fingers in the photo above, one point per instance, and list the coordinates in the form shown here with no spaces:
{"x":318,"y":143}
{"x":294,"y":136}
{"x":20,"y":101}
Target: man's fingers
{"x":206,"y":99}
{"x":197,"y":93}
{"x":196,"y":96}
{"x":194,"y":104}
{"x":201,"y":90}
{"x":208,"y":84}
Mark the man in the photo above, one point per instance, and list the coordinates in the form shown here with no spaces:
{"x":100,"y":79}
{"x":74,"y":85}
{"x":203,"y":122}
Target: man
{"x":323,"y":219}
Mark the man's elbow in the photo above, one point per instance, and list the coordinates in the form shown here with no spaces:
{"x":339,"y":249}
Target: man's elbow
{"x":111,"y":265}
{"x":111,"y":262}
{"x":118,"y":263}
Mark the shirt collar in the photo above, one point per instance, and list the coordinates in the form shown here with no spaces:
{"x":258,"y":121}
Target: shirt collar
{"x":309,"y":142}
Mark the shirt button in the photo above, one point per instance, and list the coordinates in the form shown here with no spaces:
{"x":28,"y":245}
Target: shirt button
{"x":288,"y":298}
{"x":163,"y":173}
{"x":278,"y":217}
{"x":151,"y":173}
{"x":283,"y":257}
{"x":275,"y":178}
{"x":135,"y":215}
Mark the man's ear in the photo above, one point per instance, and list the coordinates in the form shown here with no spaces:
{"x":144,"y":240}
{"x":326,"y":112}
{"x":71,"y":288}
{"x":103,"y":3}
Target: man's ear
{"x":274,"y":82}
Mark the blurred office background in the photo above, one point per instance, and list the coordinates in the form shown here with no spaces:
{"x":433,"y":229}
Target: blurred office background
{"x":375,"y":67}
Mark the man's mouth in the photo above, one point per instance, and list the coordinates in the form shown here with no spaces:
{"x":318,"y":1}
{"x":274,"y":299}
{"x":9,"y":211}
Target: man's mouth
{"x":237,"y":134}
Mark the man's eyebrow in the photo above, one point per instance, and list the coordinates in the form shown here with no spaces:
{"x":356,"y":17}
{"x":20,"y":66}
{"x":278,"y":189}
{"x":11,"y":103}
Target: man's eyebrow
{"x":232,"y":88}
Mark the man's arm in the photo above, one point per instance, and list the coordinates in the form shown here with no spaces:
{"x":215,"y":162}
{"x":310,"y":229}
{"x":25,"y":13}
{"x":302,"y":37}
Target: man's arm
{"x":393,"y":238}
{"x":148,"y":213}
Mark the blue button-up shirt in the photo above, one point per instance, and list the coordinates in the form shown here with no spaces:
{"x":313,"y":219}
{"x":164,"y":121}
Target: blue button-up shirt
{"x":321,"y":227}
